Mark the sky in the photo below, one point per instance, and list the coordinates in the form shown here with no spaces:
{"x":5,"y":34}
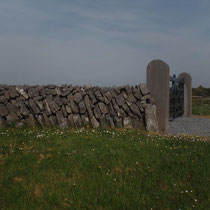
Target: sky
{"x":102,"y":42}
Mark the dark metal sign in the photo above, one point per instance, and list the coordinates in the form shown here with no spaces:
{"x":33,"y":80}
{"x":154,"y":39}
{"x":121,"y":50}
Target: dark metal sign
{"x":176,"y":106}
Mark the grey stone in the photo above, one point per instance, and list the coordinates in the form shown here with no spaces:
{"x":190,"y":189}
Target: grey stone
{"x":145,"y":98}
{"x":136,"y":93}
{"x":58,"y":101}
{"x":144,"y":89}
{"x":127,"y":110}
{"x":131,"y":99}
{"x":103,"y":108}
{"x":3,"y":110}
{"x":118,"y":122}
{"x":110,"y":121}
{"x":77,"y":120}
{"x":97,"y":112}
{"x":41,"y":120}
{"x":87,"y":104}
{"x":85,"y":120}
{"x":62,"y":122}
{"x":53,"y":106}
{"x":13,"y":92}
{"x":120,"y":100}
{"x":53,"y":121}
{"x":58,"y":91}
{"x":94,"y":122}
{"x":150,"y":117}
{"x":127,"y":89}
{"x":136,"y":123}
{"x":24,"y":110}
{"x":77,"y":97}
{"x":34,"y":107}
{"x":3,"y":99}
{"x":134,"y":108}
{"x":109,"y":96}
{"x":82,"y":107}
{"x":40,"y":105}
{"x":50,"y":92}
{"x":71,"y":120}
{"x":68,"y":109}
{"x":127,"y":122}
{"x":30,"y":121}
{"x":48,"y":111}
{"x":102,"y":120}
{"x":64,"y":111}
{"x":33,"y":92}
{"x":46,"y":120}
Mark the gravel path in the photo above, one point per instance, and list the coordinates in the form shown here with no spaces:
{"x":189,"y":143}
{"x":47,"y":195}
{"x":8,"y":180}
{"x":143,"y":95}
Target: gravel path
{"x":191,"y":126}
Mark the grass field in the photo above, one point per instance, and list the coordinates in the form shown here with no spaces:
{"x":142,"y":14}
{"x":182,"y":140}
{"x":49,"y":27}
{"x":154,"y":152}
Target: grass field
{"x":201,"y":108}
{"x":102,"y":169}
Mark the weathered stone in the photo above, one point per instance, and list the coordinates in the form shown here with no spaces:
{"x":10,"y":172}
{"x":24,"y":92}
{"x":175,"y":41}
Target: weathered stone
{"x":144,"y":89}
{"x":34,"y":107}
{"x":58,"y":91}
{"x":127,"y":110}
{"x":118,"y":122}
{"x":65,"y":100}
{"x":82,"y":107}
{"x":150,"y":117}
{"x":111,"y":110}
{"x":64,"y":111}
{"x":3,"y":99}
{"x":22,"y":92}
{"x":136,"y":93}
{"x":24,"y":110}
{"x":85,"y":120}
{"x":47,"y":108}
{"x":3,"y":110}
{"x":53,"y":121}
{"x":103,"y":108}
{"x":127,"y":89}
{"x":77,"y":120}
{"x":117,"y":90}
{"x":123,"y":113}
{"x":134,"y":108}
{"x":9,"y":120}
{"x":40,"y":105}
{"x":94,"y":122}
{"x":110,"y":121}
{"x":58,"y":100}
{"x":62,"y":122}
{"x":50,"y":92}
{"x":33,"y":92}
{"x":87,"y":104}
{"x":68,"y":109}
{"x":97,"y":112}
{"x":77,"y":97}
{"x":120,"y":100}
{"x":53,"y":106}
{"x":127,"y":122}
{"x":146,"y":98}
{"x":30,"y":121}
{"x":41,"y":120}
{"x":46,"y":120}
{"x":13,"y":92}
{"x":102,"y":120}
{"x":131,"y":99}
{"x":2,"y":123}
{"x":136,"y":123}
{"x":71,"y":120}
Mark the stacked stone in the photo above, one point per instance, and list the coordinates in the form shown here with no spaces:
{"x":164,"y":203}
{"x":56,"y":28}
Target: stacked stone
{"x":73,"y":106}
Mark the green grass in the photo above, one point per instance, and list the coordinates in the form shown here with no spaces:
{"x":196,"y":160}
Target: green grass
{"x":199,"y":108}
{"x":102,"y":169}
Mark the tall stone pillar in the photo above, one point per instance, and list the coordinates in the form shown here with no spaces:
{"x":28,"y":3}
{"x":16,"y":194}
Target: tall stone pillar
{"x":158,"y":75}
{"x":187,"y":93}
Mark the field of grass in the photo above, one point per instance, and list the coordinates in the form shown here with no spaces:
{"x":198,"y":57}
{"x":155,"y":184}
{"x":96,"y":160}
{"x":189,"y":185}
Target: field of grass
{"x":102,"y":169}
{"x":201,"y":108}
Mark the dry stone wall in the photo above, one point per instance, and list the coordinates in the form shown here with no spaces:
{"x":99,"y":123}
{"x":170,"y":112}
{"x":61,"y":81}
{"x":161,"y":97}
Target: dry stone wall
{"x":75,"y":106}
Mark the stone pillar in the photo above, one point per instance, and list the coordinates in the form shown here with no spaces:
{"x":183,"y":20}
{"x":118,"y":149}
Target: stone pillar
{"x":187,"y":93}
{"x":158,"y":75}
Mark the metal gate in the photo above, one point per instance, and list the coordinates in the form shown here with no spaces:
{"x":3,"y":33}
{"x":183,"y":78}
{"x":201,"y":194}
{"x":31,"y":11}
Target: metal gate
{"x":176,"y":105}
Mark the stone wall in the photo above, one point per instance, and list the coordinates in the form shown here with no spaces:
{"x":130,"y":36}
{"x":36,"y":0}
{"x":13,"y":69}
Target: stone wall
{"x":77,"y":106}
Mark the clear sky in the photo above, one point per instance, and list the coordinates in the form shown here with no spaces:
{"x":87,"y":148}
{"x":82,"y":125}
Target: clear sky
{"x":102,"y":42}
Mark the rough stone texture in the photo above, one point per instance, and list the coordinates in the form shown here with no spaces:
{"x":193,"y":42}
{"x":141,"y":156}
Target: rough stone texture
{"x":76,"y":106}
{"x":150,"y":116}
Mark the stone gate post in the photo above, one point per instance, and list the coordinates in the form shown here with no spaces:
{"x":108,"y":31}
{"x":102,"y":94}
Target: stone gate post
{"x":158,"y":75}
{"x":187,"y":93}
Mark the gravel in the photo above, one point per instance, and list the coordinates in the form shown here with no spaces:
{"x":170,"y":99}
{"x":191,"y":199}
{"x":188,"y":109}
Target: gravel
{"x":191,"y":126}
